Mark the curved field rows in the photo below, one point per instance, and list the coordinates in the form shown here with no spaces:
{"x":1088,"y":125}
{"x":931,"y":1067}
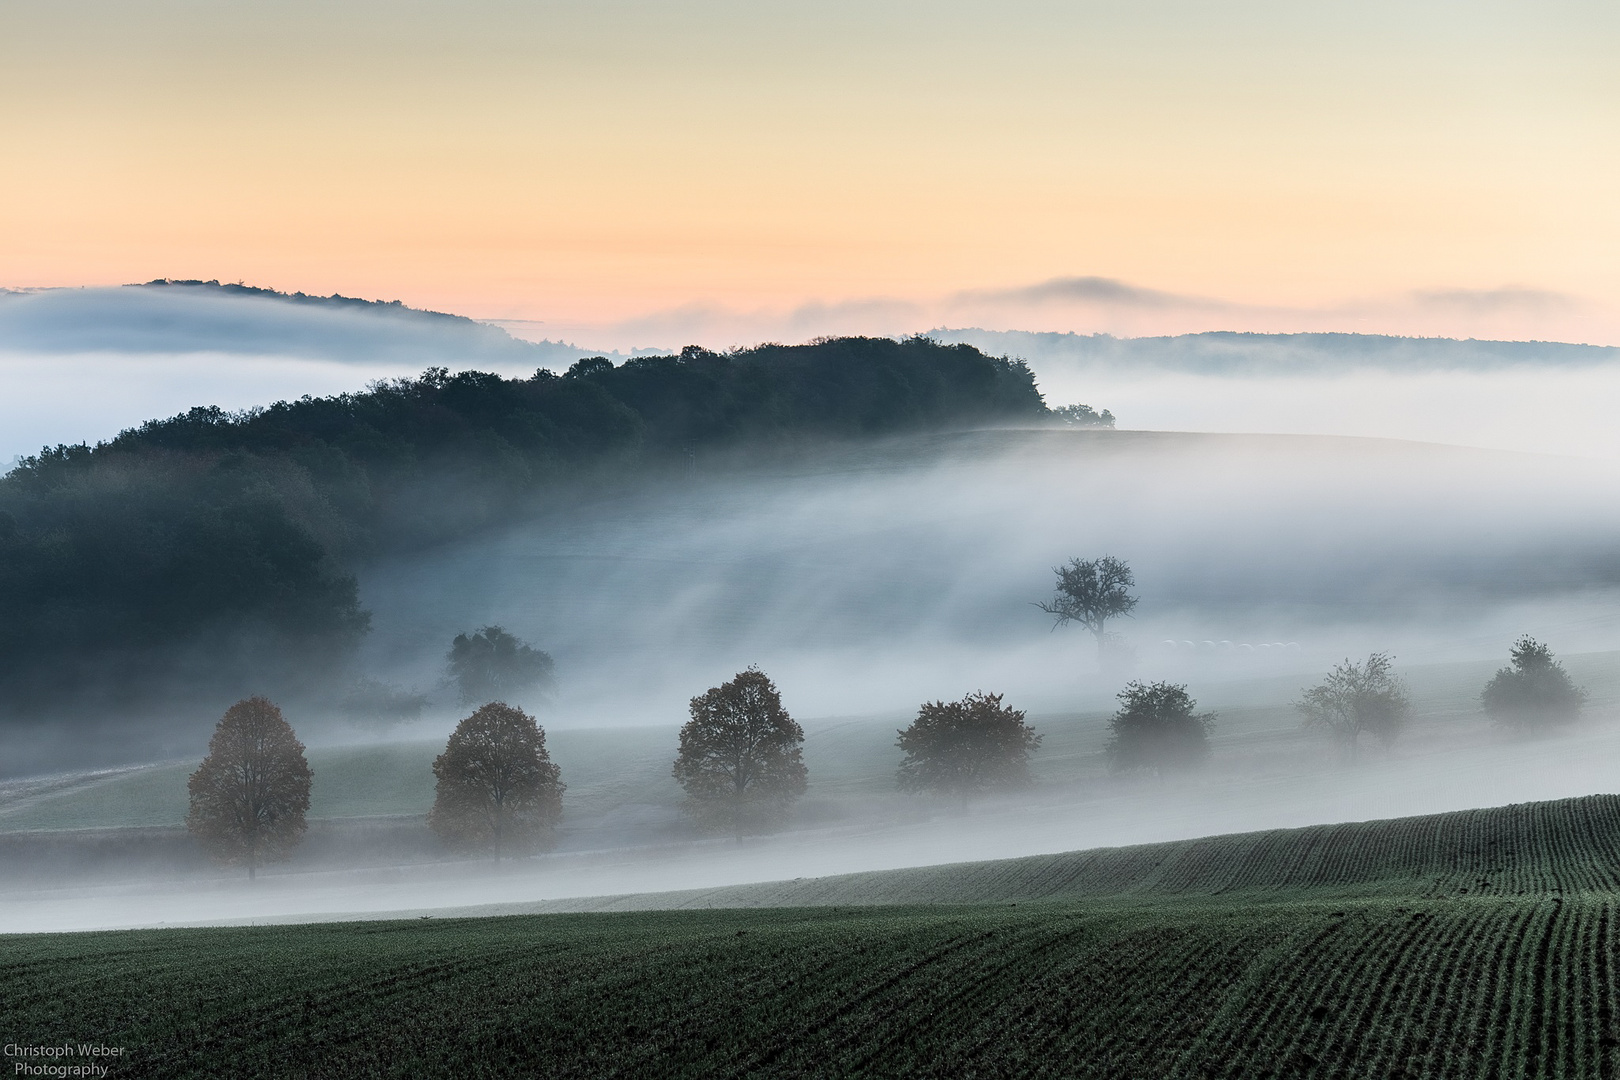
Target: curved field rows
{"x":1567,"y":847}
{"x":1480,"y":944}
{"x":1478,"y":987}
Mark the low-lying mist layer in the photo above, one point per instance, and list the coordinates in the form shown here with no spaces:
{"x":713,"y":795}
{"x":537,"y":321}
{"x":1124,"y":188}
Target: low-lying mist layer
{"x":872,"y":580}
{"x":210,"y":554}
{"x":1544,"y":397}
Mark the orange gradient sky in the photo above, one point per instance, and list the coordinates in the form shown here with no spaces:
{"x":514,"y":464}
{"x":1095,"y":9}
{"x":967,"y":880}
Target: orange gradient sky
{"x":652,"y":171}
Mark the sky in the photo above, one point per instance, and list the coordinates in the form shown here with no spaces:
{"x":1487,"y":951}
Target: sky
{"x":633,"y":172}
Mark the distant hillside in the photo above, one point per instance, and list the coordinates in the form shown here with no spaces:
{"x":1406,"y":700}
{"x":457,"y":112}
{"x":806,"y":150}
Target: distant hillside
{"x":1227,"y":353}
{"x":232,"y":536}
{"x":167,"y":316}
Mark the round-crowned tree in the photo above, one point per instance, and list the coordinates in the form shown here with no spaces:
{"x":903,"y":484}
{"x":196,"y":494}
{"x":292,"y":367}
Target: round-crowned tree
{"x":250,"y":794}
{"x":497,"y":789}
{"x":966,"y":747}
{"x":1535,"y":693}
{"x":490,"y":664}
{"x":1156,"y":729}
{"x":740,"y":757}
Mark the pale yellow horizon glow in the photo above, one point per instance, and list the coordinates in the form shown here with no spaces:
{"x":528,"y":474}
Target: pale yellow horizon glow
{"x":603,"y":167}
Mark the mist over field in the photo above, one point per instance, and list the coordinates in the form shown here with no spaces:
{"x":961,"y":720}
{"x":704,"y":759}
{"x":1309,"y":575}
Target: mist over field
{"x":873,"y":579}
{"x":1296,"y":506}
{"x":1533,"y":396}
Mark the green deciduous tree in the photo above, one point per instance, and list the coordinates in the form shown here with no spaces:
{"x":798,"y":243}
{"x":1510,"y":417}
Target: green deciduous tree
{"x":966,"y":747}
{"x":1090,"y":592}
{"x":1357,"y":698}
{"x":249,"y":795}
{"x":497,"y":789}
{"x":1155,"y":729}
{"x":1536,"y":692}
{"x":740,"y":759}
{"x":490,"y":664}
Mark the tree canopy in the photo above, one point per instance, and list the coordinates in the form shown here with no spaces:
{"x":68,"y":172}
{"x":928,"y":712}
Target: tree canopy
{"x":249,"y":795}
{"x":740,"y":759}
{"x":1155,"y":729}
{"x":966,"y":747}
{"x":491,"y":664}
{"x":1536,"y":692}
{"x":1090,"y":592}
{"x":1083,"y":416}
{"x":214,"y":551}
{"x":1358,"y":698}
{"x":497,"y":788}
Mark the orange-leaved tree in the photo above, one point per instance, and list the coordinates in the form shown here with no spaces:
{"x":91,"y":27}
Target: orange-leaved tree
{"x":740,"y":757}
{"x":498,"y":789}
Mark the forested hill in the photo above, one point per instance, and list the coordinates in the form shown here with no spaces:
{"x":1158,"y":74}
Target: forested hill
{"x":216,"y":548}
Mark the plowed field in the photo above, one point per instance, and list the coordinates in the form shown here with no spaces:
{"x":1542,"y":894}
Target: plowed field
{"x":1466,"y":945}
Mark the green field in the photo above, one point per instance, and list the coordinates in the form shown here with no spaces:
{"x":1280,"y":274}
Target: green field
{"x":1476,"y":944}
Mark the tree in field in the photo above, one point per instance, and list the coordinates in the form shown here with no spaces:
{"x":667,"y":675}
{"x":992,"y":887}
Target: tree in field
{"x":249,"y":795}
{"x":490,"y":665}
{"x":1357,"y":698}
{"x":740,"y":757}
{"x":1090,"y":592}
{"x":1535,"y":693}
{"x":966,"y":747}
{"x":1156,"y":730}
{"x":1083,"y":416}
{"x":497,"y":789}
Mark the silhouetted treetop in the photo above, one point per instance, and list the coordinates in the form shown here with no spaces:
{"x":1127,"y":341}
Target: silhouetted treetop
{"x":491,"y":664}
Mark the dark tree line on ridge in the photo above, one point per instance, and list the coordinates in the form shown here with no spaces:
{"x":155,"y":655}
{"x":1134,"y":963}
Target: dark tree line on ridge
{"x":216,"y":550}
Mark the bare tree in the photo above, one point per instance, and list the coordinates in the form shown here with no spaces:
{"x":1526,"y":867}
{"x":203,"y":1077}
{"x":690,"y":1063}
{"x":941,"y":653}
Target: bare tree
{"x":1090,"y":592}
{"x":740,"y":757}
{"x":966,"y":747}
{"x":497,"y":786}
{"x":250,"y":794}
{"x":1357,"y":698}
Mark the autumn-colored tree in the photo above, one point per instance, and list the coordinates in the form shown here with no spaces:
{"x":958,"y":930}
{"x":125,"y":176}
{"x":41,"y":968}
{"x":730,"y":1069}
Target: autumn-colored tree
{"x":740,"y":757}
{"x":498,"y":789}
{"x":966,"y":747}
{"x":249,"y":795}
